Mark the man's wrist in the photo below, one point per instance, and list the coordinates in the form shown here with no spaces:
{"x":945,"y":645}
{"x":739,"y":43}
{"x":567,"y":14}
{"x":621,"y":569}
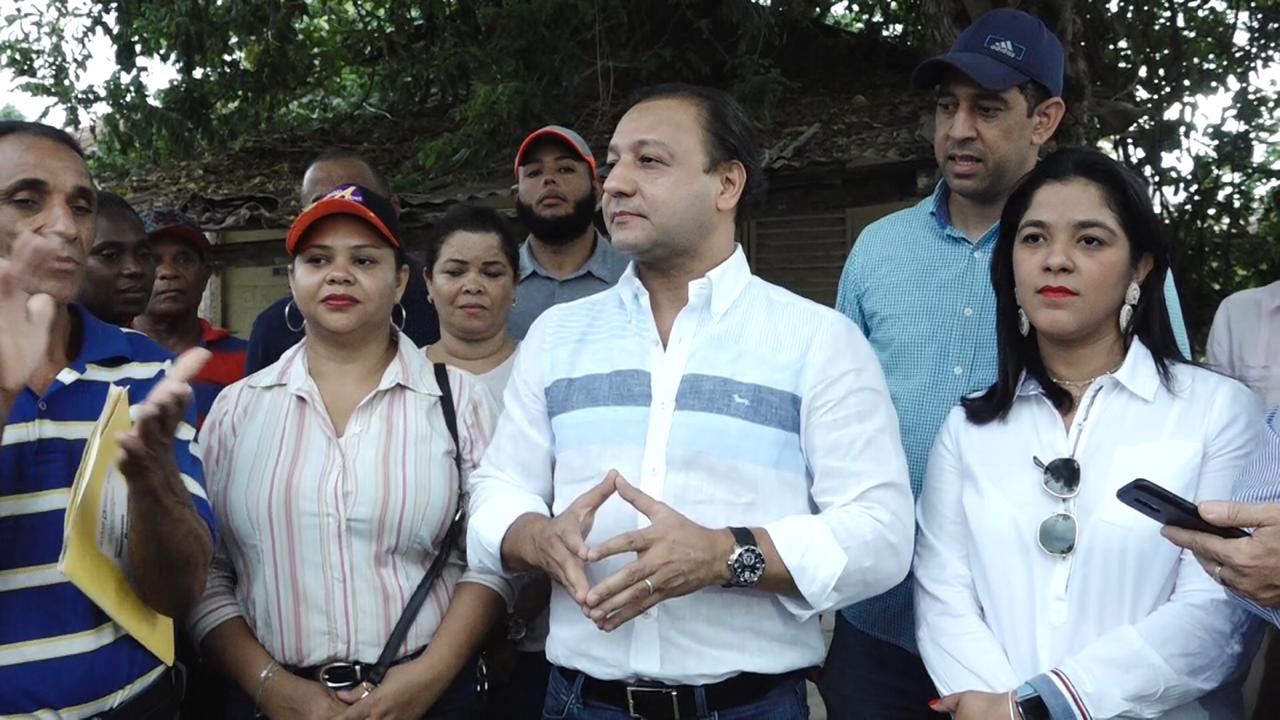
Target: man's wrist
{"x":519,"y":543}
{"x":723,"y":546}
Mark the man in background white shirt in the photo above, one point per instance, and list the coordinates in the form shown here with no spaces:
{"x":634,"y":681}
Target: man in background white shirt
{"x":1244,"y":341}
{"x":702,"y":461}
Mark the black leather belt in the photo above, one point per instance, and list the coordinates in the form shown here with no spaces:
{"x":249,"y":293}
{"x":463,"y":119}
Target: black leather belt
{"x":159,"y":700}
{"x":654,"y":701}
{"x":342,"y":675}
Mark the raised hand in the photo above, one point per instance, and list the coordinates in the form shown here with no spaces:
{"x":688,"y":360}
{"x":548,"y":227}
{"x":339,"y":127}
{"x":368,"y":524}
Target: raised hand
{"x":147,"y":449}
{"x":26,"y":318}
{"x":674,"y":556}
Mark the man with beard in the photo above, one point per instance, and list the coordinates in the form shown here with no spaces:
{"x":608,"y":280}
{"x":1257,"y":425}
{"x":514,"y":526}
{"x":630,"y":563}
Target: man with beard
{"x":121,"y":267}
{"x":172,"y":317}
{"x":565,"y":257}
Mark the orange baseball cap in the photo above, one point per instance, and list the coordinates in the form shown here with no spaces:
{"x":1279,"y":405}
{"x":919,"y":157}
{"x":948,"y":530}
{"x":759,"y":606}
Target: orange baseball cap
{"x":352,"y":200}
{"x":564,"y":135}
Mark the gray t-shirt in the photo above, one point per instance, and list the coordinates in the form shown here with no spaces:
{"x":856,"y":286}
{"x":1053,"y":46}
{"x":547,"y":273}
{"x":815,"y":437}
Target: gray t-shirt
{"x":537,"y":289}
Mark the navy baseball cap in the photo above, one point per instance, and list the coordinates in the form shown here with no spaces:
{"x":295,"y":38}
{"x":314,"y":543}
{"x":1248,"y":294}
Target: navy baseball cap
{"x":1002,"y":49}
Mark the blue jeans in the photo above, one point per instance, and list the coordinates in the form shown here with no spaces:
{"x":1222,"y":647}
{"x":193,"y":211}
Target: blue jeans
{"x":564,"y":702}
{"x":866,"y":678}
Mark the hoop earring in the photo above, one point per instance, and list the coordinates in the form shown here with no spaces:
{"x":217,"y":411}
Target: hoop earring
{"x":404,"y":316}
{"x":1024,"y":324}
{"x":301,"y":326}
{"x":1131,"y":297}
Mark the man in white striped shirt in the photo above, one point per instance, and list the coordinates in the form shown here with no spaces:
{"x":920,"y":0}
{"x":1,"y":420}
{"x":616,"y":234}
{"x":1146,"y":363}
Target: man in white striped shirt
{"x":746,"y":433}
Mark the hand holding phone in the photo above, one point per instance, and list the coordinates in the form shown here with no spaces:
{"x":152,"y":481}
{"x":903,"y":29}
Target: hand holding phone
{"x":1168,"y":508}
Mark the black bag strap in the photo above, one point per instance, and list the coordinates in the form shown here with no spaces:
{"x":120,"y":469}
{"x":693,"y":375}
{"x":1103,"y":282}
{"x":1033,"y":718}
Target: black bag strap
{"x":388,"y":656}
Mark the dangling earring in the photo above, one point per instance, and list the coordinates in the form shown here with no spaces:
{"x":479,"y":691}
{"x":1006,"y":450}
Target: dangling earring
{"x":1024,"y":324}
{"x":1131,"y":296}
{"x":404,"y":317}
{"x":287,"y":324}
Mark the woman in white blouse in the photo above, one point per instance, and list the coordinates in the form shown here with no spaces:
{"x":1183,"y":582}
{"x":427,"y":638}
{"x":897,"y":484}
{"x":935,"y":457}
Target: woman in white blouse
{"x":334,"y":479}
{"x":1039,"y":594}
{"x":473,"y":259}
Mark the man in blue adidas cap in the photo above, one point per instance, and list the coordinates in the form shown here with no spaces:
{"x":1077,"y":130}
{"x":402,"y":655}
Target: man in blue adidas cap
{"x":918,"y":283}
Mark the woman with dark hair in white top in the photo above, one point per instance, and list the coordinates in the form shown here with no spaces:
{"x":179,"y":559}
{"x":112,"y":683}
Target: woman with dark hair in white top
{"x":1039,"y":594}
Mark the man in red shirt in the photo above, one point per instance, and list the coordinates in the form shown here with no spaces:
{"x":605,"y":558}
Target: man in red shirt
{"x":172,"y":317}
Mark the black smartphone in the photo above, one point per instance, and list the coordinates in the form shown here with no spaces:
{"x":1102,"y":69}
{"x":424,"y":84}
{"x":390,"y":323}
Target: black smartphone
{"x":1167,"y":508}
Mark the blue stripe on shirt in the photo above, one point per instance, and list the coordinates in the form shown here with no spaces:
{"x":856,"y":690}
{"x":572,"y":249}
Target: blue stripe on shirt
{"x":58,"y":612}
{"x":751,"y":402}
{"x":619,"y":388}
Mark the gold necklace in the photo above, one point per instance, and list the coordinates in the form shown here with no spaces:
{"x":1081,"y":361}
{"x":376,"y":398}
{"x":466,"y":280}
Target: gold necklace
{"x":1069,"y":384}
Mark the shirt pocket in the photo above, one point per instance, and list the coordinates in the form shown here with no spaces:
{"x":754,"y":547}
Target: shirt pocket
{"x":1172,"y":464}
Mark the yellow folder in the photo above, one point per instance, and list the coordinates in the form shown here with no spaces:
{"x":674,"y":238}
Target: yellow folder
{"x":96,"y":533}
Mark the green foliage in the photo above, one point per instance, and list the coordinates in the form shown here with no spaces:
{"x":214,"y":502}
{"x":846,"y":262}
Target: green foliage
{"x":466,"y":79}
{"x":9,"y":112}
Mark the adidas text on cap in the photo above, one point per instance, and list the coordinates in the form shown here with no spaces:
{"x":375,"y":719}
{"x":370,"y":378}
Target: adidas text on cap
{"x":1002,"y":49}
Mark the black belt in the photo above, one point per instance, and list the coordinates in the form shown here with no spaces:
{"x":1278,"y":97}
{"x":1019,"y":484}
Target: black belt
{"x":159,"y":700}
{"x":329,"y":674}
{"x":654,"y":701}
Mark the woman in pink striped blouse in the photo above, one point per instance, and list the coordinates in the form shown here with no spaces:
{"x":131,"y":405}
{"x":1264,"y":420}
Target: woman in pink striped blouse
{"x":333,"y":478}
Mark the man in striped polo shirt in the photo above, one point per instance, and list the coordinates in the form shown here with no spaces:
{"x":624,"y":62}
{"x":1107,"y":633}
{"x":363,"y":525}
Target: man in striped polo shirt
{"x":60,"y":655}
{"x":703,"y":462}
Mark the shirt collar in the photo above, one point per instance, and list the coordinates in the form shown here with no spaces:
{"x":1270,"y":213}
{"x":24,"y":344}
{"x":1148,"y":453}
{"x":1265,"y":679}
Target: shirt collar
{"x":941,"y":213}
{"x":1137,"y":374}
{"x":409,"y":368}
{"x":211,"y":334}
{"x":1272,"y":295}
{"x":597,"y":264}
{"x":99,"y":341}
{"x":725,"y":283}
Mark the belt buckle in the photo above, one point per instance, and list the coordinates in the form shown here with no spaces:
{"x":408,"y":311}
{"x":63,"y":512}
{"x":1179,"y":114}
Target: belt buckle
{"x":639,"y":691}
{"x":341,"y":675}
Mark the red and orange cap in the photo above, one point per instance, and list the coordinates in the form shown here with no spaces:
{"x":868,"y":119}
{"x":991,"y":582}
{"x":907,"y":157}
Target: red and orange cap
{"x":564,"y":135}
{"x":353,"y":200}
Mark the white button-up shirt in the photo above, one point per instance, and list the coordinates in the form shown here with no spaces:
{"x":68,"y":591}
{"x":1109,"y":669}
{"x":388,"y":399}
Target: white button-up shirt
{"x":322,"y":538}
{"x":1132,"y":622}
{"x":764,"y":409}
{"x":1245,"y":340}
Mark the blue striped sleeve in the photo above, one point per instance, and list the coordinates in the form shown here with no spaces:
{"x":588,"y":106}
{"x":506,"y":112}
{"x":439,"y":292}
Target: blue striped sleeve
{"x":1259,"y":482}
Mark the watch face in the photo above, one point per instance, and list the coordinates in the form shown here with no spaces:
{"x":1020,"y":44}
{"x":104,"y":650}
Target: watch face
{"x":748,"y":566}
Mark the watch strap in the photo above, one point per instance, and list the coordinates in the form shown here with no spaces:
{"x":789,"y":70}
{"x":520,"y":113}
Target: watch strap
{"x":1030,"y":704}
{"x":743,"y":537}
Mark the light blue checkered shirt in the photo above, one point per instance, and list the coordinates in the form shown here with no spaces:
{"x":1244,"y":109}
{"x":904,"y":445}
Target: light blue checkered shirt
{"x":1260,"y":483}
{"x":921,"y":292}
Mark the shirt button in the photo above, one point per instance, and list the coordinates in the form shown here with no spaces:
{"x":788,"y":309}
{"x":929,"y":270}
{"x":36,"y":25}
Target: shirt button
{"x":42,"y":405}
{"x":977,"y":255}
{"x":968,"y":312}
{"x":957,"y":370}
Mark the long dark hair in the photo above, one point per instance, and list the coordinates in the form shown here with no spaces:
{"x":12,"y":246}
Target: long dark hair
{"x":1126,"y":194}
